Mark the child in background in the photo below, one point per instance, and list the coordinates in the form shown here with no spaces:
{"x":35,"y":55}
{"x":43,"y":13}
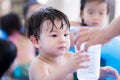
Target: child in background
{"x":94,"y":13}
{"x":30,"y":8}
{"x":11,"y":24}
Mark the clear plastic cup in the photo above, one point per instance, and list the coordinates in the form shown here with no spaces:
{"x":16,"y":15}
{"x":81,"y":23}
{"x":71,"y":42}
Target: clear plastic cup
{"x":93,"y":72}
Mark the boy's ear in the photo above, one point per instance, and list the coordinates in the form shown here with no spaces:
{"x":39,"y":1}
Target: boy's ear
{"x":35,"y":42}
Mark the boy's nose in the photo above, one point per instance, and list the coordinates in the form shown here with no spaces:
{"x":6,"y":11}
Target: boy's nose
{"x":96,"y":16}
{"x":61,"y":39}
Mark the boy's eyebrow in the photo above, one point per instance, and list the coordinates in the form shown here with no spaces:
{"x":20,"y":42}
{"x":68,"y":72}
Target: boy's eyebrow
{"x":59,"y":29}
{"x":53,"y":31}
{"x":102,"y":10}
{"x":64,"y":24}
{"x":91,"y":9}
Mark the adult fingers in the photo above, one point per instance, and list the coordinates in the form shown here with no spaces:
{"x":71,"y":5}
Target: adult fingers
{"x":81,"y":40}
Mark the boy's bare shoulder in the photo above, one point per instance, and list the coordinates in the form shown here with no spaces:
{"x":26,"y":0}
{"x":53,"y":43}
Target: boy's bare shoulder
{"x":37,"y":65}
{"x":37,"y":69}
{"x":37,"y":62}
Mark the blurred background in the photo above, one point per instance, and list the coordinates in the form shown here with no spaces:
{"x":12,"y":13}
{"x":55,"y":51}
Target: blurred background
{"x":110,"y":52}
{"x":69,"y":7}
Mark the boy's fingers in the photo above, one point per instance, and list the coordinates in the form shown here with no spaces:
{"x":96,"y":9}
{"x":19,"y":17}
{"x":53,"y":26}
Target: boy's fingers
{"x":83,"y":66}
{"x":83,"y":29}
{"x":80,"y":52}
{"x":82,"y":56}
{"x":84,"y":60}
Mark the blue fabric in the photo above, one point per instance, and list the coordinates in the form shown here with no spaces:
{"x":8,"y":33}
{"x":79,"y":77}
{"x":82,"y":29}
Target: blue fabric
{"x":72,"y":49}
{"x":75,"y":76}
{"x":110,"y":52}
{"x":22,"y":29}
{"x":21,"y":72}
{"x":3,"y":34}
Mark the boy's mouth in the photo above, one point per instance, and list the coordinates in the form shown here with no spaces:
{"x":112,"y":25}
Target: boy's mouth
{"x":62,"y":48}
{"x":95,"y":24}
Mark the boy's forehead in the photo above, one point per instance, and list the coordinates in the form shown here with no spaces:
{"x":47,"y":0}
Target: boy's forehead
{"x":56,"y":22}
{"x":48,"y":25}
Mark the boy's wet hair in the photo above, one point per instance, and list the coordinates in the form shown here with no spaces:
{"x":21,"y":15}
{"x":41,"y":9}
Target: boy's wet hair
{"x":84,"y":2}
{"x":34,"y":23}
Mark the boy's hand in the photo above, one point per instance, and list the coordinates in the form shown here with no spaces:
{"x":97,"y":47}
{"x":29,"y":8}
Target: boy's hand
{"x":75,"y":61}
{"x":110,"y":72}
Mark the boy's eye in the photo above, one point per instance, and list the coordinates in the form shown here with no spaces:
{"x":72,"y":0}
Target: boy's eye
{"x":90,"y":12}
{"x":101,"y":13}
{"x":66,"y":34}
{"x":54,"y":35}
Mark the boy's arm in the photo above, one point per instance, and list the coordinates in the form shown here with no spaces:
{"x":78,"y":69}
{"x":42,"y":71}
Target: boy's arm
{"x":39,"y":69}
{"x":40,"y":72}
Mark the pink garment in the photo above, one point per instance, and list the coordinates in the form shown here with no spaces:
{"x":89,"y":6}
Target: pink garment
{"x":23,"y":44}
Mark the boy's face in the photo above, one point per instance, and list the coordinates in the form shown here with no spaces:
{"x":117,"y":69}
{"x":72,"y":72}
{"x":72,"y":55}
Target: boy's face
{"x":55,"y":42}
{"x":95,"y":14}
